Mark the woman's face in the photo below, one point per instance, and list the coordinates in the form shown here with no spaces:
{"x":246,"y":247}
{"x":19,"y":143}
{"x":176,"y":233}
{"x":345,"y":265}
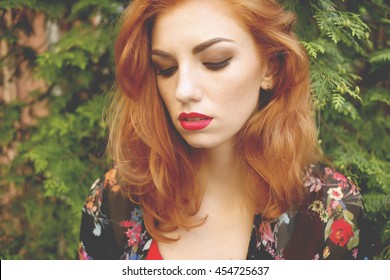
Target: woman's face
{"x":209,"y":71}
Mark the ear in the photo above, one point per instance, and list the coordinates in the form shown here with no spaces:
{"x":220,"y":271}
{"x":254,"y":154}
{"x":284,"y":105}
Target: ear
{"x":267,"y":83}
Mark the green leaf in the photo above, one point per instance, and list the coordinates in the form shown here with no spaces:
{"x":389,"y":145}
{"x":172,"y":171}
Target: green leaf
{"x":380,"y":57}
{"x":328,"y":228}
{"x":348,"y":216}
{"x":354,"y":241}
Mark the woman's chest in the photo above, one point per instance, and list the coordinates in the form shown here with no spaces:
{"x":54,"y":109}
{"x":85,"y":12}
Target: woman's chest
{"x":220,"y":237}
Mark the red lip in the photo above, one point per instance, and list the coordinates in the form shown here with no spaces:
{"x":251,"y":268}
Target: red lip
{"x":194,"y":121}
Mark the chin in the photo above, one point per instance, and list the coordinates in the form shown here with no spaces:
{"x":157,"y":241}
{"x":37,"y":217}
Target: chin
{"x":199,"y":145}
{"x":203,"y":143}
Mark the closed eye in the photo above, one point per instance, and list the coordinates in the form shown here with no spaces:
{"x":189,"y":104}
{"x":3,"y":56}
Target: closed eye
{"x":217,"y":65}
{"x":167,"y":72}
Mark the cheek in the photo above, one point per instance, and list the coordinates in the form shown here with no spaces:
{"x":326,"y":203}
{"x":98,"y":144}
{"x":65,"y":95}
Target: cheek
{"x":241,"y":91}
{"x":166,"y":96}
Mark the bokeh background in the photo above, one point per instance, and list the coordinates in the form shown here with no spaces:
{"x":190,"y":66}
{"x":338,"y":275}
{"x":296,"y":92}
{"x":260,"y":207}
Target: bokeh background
{"x":56,"y":72}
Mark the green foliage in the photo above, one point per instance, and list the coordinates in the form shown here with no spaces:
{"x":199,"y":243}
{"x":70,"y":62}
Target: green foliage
{"x":59,"y":157}
{"x":9,"y":115}
{"x":52,"y":8}
{"x":380,"y":57}
{"x":350,"y":73}
{"x":77,"y":51}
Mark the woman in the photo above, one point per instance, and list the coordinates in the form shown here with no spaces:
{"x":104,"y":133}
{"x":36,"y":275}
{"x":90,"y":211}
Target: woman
{"x":213,"y":137}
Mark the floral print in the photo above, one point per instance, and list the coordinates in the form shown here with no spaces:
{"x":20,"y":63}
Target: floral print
{"x":134,"y":235}
{"x":326,"y":226}
{"x":82,"y":253}
{"x":97,"y":224}
{"x":268,"y":238}
{"x":92,"y":207}
{"x":341,"y":232}
{"x":341,"y":194}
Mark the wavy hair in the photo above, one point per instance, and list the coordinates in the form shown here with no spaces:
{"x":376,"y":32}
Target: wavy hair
{"x":157,"y":167}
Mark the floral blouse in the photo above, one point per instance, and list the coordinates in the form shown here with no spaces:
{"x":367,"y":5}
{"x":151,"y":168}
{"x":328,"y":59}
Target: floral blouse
{"x":327,"y":225}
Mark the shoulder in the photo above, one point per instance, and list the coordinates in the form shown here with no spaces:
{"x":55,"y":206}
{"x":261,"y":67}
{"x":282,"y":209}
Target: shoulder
{"x":109,"y":220}
{"x":335,"y":189}
{"x":338,"y":203}
{"x":98,"y":194}
{"x":96,"y":240}
{"x":108,"y":181}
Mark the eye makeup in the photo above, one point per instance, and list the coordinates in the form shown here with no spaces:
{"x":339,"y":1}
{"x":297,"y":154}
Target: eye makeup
{"x":218,"y":64}
{"x":213,"y":58}
{"x":166,"y":72}
{"x":214,"y":66}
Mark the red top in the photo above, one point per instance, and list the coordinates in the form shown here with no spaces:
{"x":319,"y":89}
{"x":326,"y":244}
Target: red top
{"x":154,"y":253}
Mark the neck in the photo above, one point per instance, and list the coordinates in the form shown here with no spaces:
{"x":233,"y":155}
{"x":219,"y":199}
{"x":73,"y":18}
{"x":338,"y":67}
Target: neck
{"x":222,"y":177}
{"x":220,"y":169}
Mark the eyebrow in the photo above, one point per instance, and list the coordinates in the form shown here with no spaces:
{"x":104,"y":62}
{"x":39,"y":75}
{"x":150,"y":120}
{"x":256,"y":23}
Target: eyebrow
{"x":201,"y":47}
{"x":197,"y":49}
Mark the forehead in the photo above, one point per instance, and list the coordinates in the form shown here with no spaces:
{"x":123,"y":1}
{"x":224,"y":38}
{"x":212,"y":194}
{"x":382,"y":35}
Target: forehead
{"x":197,"y":20}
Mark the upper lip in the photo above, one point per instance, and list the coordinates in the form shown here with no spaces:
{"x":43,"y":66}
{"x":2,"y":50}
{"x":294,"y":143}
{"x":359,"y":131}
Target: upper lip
{"x":193,"y":115}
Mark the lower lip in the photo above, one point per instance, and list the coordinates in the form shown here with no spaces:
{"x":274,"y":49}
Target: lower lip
{"x":195,"y":125}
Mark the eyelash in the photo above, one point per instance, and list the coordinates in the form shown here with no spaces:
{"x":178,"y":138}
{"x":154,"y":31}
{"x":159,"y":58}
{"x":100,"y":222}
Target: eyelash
{"x":167,"y":72}
{"x":214,"y":66}
{"x":217,"y":65}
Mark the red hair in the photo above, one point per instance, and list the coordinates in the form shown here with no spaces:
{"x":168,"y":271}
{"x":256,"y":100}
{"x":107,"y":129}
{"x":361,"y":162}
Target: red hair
{"x":157,"y":167}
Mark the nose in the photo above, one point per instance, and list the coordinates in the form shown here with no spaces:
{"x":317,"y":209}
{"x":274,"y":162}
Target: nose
{"x":188,"y":88}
